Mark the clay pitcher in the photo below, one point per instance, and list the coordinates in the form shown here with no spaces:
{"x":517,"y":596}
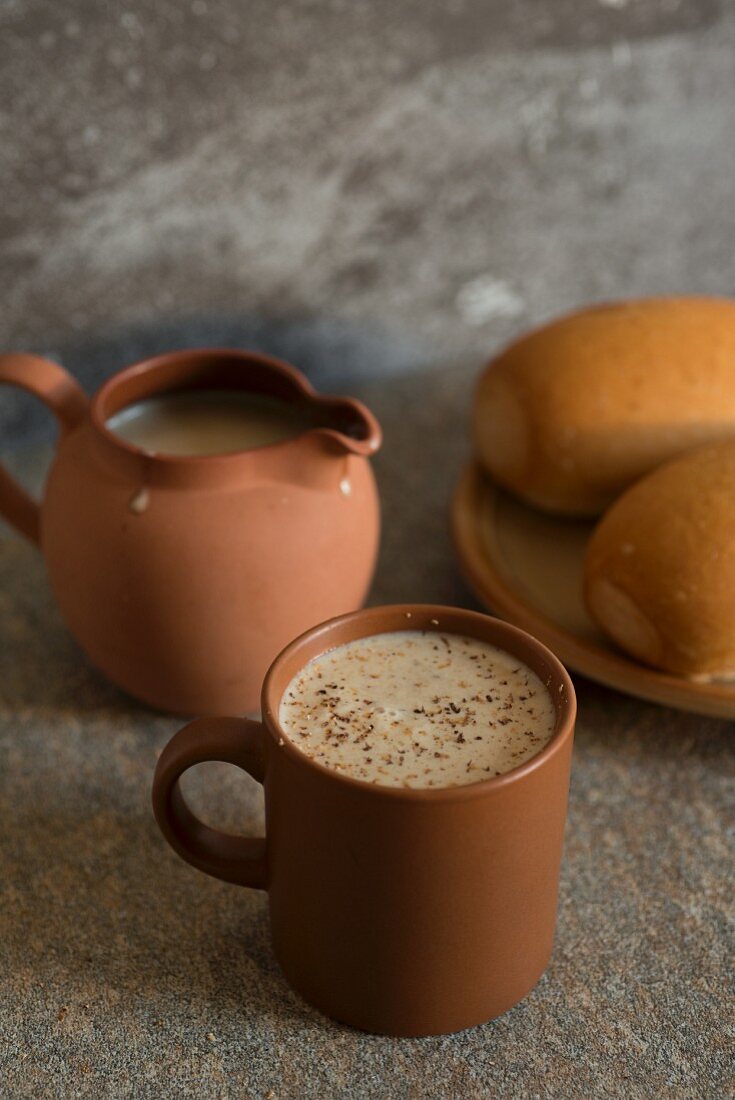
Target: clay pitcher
{"x":183,"y":577}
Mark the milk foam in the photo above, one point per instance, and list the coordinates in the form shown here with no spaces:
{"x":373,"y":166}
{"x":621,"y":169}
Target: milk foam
{"x":418,"y":709}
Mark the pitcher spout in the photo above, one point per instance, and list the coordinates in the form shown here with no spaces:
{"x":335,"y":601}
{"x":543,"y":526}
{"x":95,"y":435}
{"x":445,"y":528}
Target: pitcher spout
{"x":348,"y":425}
{"x":318,"y":425}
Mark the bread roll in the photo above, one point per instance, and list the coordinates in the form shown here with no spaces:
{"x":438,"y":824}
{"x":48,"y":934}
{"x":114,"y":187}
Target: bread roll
{"x":659,"y":572}
{"x":573,"y":413}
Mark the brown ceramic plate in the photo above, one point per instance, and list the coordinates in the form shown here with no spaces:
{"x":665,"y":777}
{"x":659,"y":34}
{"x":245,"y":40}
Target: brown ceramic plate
{"x":526,"y":566}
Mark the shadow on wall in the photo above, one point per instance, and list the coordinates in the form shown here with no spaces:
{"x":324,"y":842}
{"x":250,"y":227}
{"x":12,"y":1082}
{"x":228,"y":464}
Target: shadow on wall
{"x":333,"y":355}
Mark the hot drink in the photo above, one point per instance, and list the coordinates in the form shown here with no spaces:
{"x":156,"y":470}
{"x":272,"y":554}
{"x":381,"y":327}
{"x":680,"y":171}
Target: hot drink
{"x":202,"y":422}
{"x":418,"y":709}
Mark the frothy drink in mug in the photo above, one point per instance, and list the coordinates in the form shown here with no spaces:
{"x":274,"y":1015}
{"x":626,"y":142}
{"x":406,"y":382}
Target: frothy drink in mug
{"x":418,"y":709}
{"x":411,"y":892}
{"x":203,"y":422}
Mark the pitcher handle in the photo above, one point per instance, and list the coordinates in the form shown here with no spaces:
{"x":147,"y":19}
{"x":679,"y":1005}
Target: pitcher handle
{"x":67,"y":401}
{"x":238,"y":741}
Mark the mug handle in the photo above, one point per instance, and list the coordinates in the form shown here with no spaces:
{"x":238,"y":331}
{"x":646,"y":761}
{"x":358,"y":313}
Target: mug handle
{"x":67,"y":401}
{"x":238,"y":741}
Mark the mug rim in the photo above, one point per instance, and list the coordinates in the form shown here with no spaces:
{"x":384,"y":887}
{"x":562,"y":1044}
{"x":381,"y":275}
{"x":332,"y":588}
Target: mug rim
{"x":184,"y":358}
{"x":415,"y":616}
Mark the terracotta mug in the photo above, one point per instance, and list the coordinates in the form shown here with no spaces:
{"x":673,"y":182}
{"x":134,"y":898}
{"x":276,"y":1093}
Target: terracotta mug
{"x":182,"y":577}
{"x":399,"y":911}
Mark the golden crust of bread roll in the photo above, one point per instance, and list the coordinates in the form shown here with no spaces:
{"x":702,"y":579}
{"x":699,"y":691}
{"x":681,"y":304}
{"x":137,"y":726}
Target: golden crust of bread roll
{"x":571,"y":414}
{"x":659,"y":573}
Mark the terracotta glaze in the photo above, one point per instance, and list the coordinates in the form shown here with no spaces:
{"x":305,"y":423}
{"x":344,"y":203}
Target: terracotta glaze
{"x":398,"y":910}
{"x":182,"y":577}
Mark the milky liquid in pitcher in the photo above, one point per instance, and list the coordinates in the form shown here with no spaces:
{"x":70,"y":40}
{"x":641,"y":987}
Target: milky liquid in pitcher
{"x":205,"y":422}
{"x":418,"y":709}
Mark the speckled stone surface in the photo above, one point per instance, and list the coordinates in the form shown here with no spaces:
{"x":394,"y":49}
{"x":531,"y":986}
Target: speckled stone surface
{"x":383,"y":194}
{"x":126,"y":972}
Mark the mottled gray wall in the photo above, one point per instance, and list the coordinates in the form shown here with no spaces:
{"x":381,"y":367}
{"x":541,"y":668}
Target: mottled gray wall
{"x":361,"y":186}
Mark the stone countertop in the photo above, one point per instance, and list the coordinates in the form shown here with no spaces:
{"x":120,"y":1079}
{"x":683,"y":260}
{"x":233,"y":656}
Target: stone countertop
{"x":127,"y":973}
{"x":382,"y":194}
